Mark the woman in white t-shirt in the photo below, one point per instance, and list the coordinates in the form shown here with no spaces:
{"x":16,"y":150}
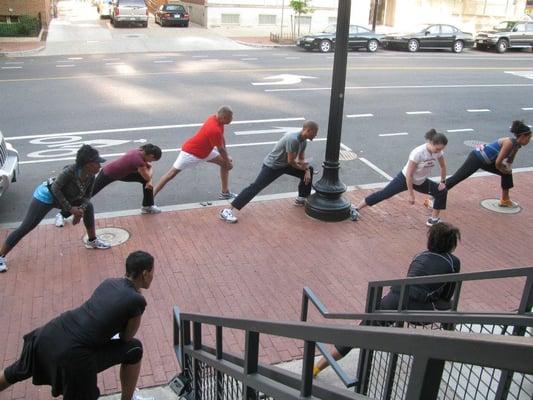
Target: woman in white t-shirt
{"x":415,"y":176}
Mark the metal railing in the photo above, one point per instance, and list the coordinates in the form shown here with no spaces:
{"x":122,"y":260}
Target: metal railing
{"x":215,"y":374}
{"x":380,"y":375}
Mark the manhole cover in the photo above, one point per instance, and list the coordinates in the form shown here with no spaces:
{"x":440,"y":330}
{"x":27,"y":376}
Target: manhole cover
{"x":114,"y":236}
{"x":492,"y":205}
{"x":474,"y":143}
{"x":346,"y":155}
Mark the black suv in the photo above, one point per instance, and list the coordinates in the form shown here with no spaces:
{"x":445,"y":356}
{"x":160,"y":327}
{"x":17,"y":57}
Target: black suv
{"x":507,"y":35}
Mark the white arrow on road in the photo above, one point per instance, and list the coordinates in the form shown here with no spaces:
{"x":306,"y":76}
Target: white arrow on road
{"x":283,"y":79}
{"x":277,"y":129}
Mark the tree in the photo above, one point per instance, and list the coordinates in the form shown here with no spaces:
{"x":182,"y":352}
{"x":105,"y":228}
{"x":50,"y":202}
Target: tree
{"x":301,"y":7}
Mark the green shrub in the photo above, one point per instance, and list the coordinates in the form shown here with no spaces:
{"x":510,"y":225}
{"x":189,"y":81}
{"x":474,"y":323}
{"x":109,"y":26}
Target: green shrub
{"x":26,"y":26}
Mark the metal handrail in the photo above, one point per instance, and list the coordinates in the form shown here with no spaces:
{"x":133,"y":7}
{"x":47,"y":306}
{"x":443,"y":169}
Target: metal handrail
{"x":429,"y":349}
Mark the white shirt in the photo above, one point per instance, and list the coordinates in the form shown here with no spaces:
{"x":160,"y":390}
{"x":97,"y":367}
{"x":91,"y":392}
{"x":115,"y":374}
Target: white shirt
{"x":424,"y":161}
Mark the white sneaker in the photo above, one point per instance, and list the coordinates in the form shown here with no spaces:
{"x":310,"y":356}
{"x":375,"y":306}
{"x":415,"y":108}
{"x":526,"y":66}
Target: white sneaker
{"x":227,"y":215}
{"x":136,"y":396}
{"x":150,"y":210}
{"x":98,"y":244}
{"x":3,"y":264}
{"x":299,"y":201}
{"x":60,"y":221}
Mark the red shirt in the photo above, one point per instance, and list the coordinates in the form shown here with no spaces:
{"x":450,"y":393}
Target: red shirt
{"x":125,"y":165}
{"x":210,"y":135}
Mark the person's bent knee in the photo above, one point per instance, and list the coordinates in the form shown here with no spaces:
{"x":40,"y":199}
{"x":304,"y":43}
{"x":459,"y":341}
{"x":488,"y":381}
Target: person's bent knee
{"x":134,"y":354}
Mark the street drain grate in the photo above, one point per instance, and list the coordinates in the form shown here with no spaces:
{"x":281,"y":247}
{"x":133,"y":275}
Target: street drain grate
{"x":114,"y":236}
{"x":492,"y":205}
{"x":346,"y":155}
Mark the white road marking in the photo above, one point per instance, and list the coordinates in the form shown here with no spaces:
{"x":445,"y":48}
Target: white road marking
{"x":460,"y":130}
{"x":163,"y":61}
{"x":110,"y":64}
{"x":110,"y":59}
{"x":65,"y":65}
{"x":417,"y":112}
{"x":344,"y":147}
{"x":148,"y":128}
{"x":480,"y":110}
{"x":394,"y":134}
{"x":75,"y":58}
{"x":522,"y":74}
{"x":293,"y":58}
{"x":200,"y":56}
{"x":12,"y":67}
{"x":359,"y":115}
{"x":278,"y":129}
{"x":527,"y":108}
{"x":14,"y":62}
{"x":209,"y":59}
{"x":162,"y":150}
{"x":376,"y":168}
{"x":283,"y":79}
{"x":249,"y":59}
{"x":63,"y":61}
{"x":93,"y":41}
{"x":522,"y":85}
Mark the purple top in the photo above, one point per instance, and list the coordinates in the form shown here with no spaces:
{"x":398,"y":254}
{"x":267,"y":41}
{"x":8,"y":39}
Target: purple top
{"x":125,"y":165}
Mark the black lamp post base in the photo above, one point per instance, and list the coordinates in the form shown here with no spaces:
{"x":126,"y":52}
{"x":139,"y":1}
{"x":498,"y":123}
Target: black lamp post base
{"x":328,"y":208}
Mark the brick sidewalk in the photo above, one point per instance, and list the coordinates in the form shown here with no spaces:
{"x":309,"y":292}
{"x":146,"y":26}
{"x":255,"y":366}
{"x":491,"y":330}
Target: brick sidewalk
{"x":256,"y":268}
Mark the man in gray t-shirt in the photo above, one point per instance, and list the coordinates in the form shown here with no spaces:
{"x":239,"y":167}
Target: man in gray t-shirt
{"x":289,"y":143}
{"x":287,"y":157}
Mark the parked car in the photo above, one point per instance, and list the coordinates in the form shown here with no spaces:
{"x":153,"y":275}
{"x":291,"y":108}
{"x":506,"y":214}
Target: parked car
{"x":129,"y":11}
{"x":104,"y":8}
{"x":172,"y":14}
{"x":9,"y":161}
{"x":435,"y":36}
{"x":506,"y":35}
{"x":358,"y":37}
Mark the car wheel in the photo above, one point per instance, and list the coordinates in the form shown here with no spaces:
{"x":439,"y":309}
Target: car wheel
{"x":325,"y":46}
{"x":372,"y":45}
{"x":145,"y":24}
{"x":413,"y":45}
{"x":458,"y":46}
{"x":502,"y":45}
{"x":186,"y":24}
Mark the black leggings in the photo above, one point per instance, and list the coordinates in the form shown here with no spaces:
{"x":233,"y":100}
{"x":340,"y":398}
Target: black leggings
{"x":399,"y":184}
{"x":471,"y":165}
{"x":35,"y":214}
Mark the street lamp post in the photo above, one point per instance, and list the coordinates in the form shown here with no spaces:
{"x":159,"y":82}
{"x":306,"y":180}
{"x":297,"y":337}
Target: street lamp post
{"x":327,"y":203}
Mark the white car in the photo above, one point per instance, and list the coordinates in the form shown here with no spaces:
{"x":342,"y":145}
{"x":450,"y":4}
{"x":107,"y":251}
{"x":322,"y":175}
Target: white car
{"x":9,"y":161}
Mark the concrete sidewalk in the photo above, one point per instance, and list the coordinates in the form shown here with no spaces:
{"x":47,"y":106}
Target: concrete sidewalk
{"x":255,"y":268}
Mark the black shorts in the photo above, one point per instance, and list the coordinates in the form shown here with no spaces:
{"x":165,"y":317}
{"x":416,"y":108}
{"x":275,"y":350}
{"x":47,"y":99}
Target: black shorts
{"x":73,"y":373}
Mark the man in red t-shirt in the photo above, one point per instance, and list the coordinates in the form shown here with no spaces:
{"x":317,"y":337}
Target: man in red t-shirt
{"x":207,"y":144}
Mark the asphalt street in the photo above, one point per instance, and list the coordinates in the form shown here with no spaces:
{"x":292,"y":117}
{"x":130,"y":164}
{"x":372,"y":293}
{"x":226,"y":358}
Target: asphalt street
{"x":50,"y":105}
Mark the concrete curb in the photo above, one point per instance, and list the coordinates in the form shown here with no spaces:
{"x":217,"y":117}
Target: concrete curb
{"x":21,"y":52}
{"x":263,"y":45}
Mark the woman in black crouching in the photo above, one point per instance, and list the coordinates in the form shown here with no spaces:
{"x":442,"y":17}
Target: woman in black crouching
{"x":68,"y":352}
{"x":436,"y":260}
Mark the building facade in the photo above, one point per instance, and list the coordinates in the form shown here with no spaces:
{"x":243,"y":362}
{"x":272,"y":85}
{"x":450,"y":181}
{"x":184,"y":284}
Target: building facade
{"x":11,"y":10}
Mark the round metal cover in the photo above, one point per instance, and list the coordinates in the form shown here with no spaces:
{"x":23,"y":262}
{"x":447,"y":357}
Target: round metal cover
{"x":492,"y":205}
{"x":114,"y":236}
{"x":473,"y":143}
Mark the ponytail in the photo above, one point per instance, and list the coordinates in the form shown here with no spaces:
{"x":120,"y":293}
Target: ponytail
{"x":518,"y":128}
{"x":436,"y":137}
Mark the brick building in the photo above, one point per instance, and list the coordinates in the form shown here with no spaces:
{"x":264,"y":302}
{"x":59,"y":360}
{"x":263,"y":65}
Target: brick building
{"x":11,"y":10}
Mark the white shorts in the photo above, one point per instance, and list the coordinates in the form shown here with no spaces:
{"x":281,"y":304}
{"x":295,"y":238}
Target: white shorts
{"x":186,"y":160}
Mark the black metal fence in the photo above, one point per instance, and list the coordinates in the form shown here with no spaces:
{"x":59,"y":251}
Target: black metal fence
{"x":422,"y":355}
{"x":382,"y":375}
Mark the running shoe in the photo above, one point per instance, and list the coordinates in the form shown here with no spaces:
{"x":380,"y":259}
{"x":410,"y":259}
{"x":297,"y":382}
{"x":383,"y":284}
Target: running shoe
{"x":60,"y":220}
{"x":3,"y":264}
{"x":299,"y":201}
{"x":98,"y":244}
{"x":227,"y":196}
{"x":227,"y":215}
{"x":433,"y":221}
{"x":505,"y":203}
{"x":355,"y":215}
{"x":150,"y":210}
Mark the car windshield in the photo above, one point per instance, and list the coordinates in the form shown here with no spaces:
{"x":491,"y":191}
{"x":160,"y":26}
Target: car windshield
{"x":421,"y":28}
{"x":330,"y":29}
{"x":132,"y":3}
{"x":173,"y":7}
{"x":504,"y":26}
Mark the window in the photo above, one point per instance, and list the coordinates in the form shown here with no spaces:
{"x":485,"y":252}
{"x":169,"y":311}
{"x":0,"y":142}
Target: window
{"x":332,"y":20}
{"x":447,"y":29}
{"x":303,"y":19}
{"x":267,"y":19}
{"x":353,"y":29}
{"x":530,"y":27}
{"x":433,"y":29}
{"x":519,"y":28}
{"x":233,"y":19}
